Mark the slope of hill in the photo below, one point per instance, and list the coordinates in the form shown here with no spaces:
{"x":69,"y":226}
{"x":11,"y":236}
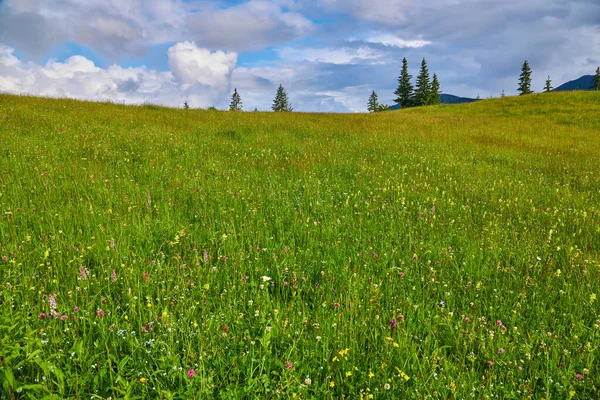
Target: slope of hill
{"x":155,"y":253}
{"x":582,"y":83}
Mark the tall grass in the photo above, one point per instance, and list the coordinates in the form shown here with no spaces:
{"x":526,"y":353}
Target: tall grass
{"x":441,"y":252}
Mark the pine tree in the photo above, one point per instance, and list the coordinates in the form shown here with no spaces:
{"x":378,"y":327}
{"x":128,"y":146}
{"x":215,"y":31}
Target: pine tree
{"x":281,"y":102}
{"x":423,"y":86}
{"x":405,"y":88}
{"x":186,"y":106}
{"x":503,"y":95}
{"x":373,"y":104}
{"x":596,"y":81}
{"x":548,"y":86}
{"x":236,"y":101}
{"x":435,"y":91}
{"x":525,"y":80}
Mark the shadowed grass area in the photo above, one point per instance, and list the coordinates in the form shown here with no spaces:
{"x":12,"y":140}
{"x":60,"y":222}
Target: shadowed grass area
{"x":438,"y":252}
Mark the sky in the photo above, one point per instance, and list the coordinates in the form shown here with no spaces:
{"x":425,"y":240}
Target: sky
{"x":328,"y":54}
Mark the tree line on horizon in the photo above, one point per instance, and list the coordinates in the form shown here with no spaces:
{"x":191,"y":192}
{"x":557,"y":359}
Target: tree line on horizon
{"x":425,"y":91}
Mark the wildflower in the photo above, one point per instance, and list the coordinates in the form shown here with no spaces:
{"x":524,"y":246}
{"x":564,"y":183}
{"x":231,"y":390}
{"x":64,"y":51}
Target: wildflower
{"x":467,"y":320}
{"x":288,"y":365}
{"x":387,"y":386}
{"x":268,"y":329}
{"x":501,"y":350}
{"x":318,"y":338}
{"x":520,"y":368}
{"x":112,"y":327}
{"x":52,"y":302}
{"x":64,"y":317}
{"x":104,"y":300}
{"x":307,"y":381}
{"x":225,"y":329}
{"x":205,"y":257}
{"x":393,"y":324}
{"x":442,"y":303}
{"x":112,"y":243}
{"x":332,"y":384}
{"x":4,"y":258}
{"x":336,"y":304}
{"x":490,"y":363}
{"x":100,"y":313}
{"x":348,"y":373}
{"x":75,"y":309}
{"x":191,"y":373}
{"x":143,"y":380}
{"x":592,"y":297}
{"x":265,"y":278}
{"x":401,"y":274}
{"x":42,"y":316}
{"x":146,"y":276}
{"x":82,"y":272}
{"x":499,"y":323}
{"x":579,"y":376}
{"x":371,"y":374}
{"x":113,"y":275}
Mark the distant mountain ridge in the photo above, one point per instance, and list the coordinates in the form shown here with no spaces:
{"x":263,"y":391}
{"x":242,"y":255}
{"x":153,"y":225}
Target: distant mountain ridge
{"x":445,"y":99}
{"x":582,"y":83}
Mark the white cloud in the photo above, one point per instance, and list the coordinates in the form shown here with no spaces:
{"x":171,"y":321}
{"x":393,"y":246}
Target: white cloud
{"x":191,"y":65}
{"x":386,"y":12}
{"x":197,"y":75}
{"x":387,"y":39}
{"x":342,"y":55}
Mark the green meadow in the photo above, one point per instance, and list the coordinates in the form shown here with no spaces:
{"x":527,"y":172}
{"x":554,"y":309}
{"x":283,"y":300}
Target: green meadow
{"x":434,"y":253}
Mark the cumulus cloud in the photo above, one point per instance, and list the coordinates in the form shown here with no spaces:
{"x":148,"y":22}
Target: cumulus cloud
{"x":197,"y":75}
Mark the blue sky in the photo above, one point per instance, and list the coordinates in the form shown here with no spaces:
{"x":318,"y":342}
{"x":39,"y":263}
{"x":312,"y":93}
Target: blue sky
{"x":329,"y":54}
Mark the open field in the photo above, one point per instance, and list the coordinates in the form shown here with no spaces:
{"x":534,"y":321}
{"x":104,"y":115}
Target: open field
{"x":439,"y":252}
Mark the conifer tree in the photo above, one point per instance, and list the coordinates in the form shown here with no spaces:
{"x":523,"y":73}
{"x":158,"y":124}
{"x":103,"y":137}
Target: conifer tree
{"x":435,"y":91}
{"x":373,"y":104}
{"x":596,"y":81}
{"x":423,"y":86}
{"x":236,"y":101}
{"x":548,"y":86}
{"x":503,"y":95}
{"x":525,"y":80}
{"x":281,"y":102}
{"x":405,"y":88}
{"x":186,"y":106}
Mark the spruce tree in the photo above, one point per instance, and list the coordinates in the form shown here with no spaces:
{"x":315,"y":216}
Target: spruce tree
{"x":281,"y":102}
{"x":405,"y":88}
{"x":525,"y":80}
{"x":548,"y":86}
{"x":503,"y":95}
{"x":373,"y":104}
{"x":596,"y":81}
{"x":236,"y":101}
{"x":186,"y":106}
{"x":435,"y":91}
{"x":423,"y":86}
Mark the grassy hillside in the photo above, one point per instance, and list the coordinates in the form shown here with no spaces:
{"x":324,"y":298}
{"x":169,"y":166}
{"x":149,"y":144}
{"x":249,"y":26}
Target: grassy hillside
{"x":439,"y":252}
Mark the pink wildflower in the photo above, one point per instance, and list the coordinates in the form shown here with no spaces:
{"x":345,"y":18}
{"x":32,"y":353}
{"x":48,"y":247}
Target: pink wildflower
{"x":191,"y":373}
{"x":579,"y":376}
{"x":100,"y":313}
{"x":82,"y":272}
{"x":501,"y":350}
{"x":64,"y":317}
{"x":205,"y":257}
{"x":42,"y":316}
{"x":113,"y":275}
{"x":289,"y":365}
{"x":52,"y":302}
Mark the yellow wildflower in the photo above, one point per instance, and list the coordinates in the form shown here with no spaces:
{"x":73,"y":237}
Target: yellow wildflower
{"x":143,"y":380}
{"x":332,"y":384}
